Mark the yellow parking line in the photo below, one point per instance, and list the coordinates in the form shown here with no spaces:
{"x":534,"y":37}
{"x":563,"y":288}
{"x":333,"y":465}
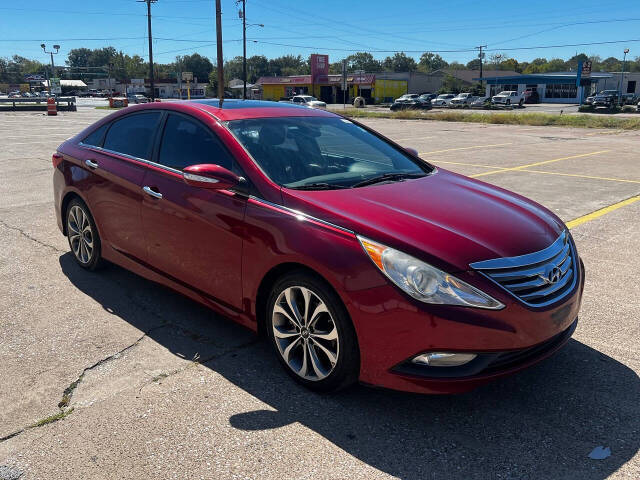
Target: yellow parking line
{"x":466,"y":148}
{"x":624,"y":180}
{"x":601,"y":212}
{"x":544,"y":162}
{"x":465,"y":164}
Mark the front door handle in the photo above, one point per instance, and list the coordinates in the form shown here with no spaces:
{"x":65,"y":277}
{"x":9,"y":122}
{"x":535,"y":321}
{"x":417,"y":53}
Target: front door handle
{"x":151,"y":192}
{"x":91,"y":164}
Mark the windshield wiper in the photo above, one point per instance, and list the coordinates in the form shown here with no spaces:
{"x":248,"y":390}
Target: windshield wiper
{"x":387,"y":177}
{"x":317,"y":186}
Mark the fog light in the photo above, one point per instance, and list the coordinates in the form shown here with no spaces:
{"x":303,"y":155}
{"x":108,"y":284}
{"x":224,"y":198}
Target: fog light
{"x":443,"y":359}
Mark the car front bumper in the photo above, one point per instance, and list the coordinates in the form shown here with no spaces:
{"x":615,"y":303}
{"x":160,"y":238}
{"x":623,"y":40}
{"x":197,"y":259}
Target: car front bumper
{"x":393,"y":329}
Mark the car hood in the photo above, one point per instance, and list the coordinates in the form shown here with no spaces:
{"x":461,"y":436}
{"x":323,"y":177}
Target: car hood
{"x":445,"y":219}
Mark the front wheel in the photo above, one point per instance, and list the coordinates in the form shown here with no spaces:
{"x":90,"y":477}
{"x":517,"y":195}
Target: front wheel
{"x":312,"y":333}
{"x":508,"y":102}
{"x":521,"y":103}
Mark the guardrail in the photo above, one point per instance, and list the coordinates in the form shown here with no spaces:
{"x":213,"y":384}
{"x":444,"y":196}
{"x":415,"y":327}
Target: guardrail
{"x":38,"y":103}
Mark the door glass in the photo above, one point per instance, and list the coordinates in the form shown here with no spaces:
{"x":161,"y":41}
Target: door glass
{"x":186,"y":142}
{"x":133,"y":135}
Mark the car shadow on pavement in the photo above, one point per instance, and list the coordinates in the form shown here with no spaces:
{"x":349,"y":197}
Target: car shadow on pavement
{"x":540,"y":423}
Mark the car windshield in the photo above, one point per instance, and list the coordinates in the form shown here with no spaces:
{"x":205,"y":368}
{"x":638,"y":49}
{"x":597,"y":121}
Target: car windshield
{"x":308,"y":98}
{"x":321,"y":152}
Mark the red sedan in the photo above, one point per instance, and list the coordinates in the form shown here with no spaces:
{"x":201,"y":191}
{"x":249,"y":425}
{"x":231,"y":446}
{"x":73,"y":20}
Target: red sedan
{"x":357,"y":259}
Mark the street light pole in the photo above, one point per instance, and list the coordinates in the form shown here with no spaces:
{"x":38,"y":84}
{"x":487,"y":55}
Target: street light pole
{"x":44,"y":49}
{"x":624,"y":64}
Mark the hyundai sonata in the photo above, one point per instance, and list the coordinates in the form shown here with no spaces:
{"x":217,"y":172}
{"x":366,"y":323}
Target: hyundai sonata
{"x":358,"y":260}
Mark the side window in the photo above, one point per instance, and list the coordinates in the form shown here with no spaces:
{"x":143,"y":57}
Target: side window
{"x":95,"y":138}
{"x":133,"y":134}
{"x":186,"y":142}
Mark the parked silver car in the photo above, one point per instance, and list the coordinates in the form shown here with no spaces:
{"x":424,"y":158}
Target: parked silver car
{"x":443,"y":100}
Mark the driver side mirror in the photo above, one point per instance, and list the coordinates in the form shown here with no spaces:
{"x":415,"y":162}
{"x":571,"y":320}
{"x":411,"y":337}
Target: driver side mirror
{"x":210,"y":176}
{"x":412,"y":151}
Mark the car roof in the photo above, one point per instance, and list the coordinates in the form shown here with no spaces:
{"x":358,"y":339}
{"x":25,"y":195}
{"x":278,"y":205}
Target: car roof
{"x":235,"y":109}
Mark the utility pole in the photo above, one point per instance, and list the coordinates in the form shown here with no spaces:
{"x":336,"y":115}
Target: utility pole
{"x":153,"y":90}
{"x":480,"y":47}
{"x":244,"y":50}
{"x":219,"y":50}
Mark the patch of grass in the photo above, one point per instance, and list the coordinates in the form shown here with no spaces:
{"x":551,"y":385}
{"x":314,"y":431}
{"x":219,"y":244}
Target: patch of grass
{"x":52,"y":418}
{"x":159,"y":377}
{"x":506,"y":118}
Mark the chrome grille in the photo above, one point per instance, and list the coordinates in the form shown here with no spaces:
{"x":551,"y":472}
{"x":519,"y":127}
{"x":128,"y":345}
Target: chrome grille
{"x":537,"y":279}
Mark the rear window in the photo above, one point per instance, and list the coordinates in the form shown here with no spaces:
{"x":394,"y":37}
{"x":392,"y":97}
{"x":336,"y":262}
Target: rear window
{"x":133,"y":134}
{"x":95,"y":138}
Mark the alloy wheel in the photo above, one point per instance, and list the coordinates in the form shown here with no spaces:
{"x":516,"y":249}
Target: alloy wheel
{"x":305,"y":333}
{"x":80,"y":234}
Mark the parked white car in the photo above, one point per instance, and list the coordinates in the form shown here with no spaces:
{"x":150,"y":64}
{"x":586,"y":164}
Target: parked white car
{"x":309,"y":101}
{"x":443,"y":100}
{"x":462,"y":99}
{"x":508,"y":97}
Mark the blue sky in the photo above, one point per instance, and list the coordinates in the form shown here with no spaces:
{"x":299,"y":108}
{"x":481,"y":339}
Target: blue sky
{"x":336,"y":27}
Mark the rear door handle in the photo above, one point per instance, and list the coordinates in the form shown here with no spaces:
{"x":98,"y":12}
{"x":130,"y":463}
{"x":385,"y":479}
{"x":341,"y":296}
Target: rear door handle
{"x":151,"y":192}
{"x":91,"y":164}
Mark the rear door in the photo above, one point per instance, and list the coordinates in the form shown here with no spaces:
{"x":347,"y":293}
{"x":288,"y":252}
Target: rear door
{"x":115,"y":156}
{"x":193,"y":235}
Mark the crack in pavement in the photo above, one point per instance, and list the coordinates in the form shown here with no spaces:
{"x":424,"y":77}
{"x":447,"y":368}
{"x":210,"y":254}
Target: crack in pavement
{"x":28,"y":236}
{"x":199,"y":361}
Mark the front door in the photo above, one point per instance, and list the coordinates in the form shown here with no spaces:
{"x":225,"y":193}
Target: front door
{"x":193,"y":235}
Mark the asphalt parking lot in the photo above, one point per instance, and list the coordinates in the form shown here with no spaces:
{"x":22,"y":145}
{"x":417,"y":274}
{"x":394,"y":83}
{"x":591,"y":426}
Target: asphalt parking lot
{"x":155,"y":386}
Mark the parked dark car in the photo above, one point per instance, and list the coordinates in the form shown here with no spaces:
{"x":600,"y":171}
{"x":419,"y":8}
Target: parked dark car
{"x":411,"y":102}
{"x":606,"y":98}
{"x":354,"y":257}
{"x":531,"y":96}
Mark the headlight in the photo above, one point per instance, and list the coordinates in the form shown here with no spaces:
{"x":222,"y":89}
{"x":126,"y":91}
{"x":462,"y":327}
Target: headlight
{"x":424,"y":282}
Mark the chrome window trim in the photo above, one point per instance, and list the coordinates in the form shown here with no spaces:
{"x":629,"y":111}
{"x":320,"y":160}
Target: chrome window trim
{"x":298,"y":213}
{"x":545,"y":255}
{"x":131,"y":157}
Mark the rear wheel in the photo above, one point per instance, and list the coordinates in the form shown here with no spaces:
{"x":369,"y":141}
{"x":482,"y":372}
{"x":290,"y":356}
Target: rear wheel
{"x":82,"y":234}
{"x":312,"y":333}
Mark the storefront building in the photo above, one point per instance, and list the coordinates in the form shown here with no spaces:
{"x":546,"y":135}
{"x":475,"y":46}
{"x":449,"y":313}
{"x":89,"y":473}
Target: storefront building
{"x":328,"y":88}
{"x":551,"y":87}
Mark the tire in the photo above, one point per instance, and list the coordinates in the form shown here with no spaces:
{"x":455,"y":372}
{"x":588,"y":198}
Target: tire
{"x":508,"y":102}
{"x":521,"y":102}
{"x":82,"y":234}
{"x":319,"y":349}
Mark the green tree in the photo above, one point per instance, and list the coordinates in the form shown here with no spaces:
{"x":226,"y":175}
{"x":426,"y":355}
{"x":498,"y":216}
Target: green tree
{"x":474,"y":64}
{"x":196,"y":63}
{"x":451,"y":84}
{"x":535,"y":66}
{"x":288,"y":65}
{"x":430,"y":62}
{"x":363,"y":61}
{"x":400,"y":62}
